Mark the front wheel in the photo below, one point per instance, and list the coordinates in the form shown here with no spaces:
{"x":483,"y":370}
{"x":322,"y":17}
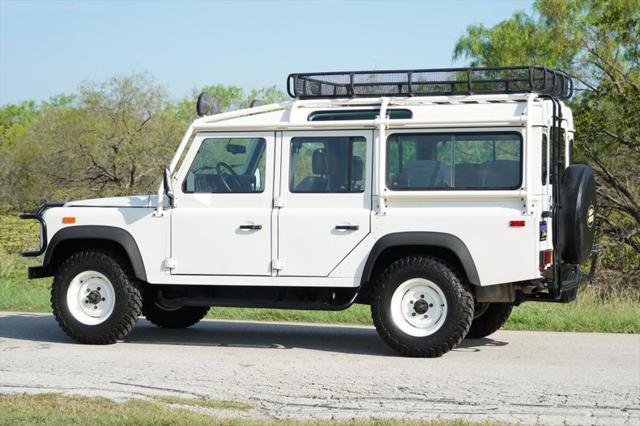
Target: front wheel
{"x":421,"y":306}
{"x":488,"y":319}
{"x":95,"y":297}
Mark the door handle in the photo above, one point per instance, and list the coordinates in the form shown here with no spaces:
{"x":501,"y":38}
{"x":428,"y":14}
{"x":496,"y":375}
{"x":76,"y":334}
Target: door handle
{"x":347,"y":227}
{"x":251,"y":227}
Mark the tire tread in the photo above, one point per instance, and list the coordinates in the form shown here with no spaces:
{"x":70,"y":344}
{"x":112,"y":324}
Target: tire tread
{"x":454,"y":276}
{"x":132,"y":289}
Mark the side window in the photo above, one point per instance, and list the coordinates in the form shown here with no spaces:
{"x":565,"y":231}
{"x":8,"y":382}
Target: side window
{"x":327,"y":164}
{"x":454,"y":161}
{"x":227,"y":165}
{"x":545,"y":157}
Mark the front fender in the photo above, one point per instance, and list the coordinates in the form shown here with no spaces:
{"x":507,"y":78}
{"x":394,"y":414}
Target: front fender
{"x":97,"y":232}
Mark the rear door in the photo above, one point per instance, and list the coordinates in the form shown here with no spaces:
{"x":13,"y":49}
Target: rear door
{"x":325,"y":194}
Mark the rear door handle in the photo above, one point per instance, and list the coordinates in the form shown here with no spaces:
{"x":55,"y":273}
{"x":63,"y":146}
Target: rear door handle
{"x":347,"y":227}
{"x":251,"y":227}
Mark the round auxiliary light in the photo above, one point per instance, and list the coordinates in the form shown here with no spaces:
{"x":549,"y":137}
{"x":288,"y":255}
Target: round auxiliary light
{"x":206,"y":106}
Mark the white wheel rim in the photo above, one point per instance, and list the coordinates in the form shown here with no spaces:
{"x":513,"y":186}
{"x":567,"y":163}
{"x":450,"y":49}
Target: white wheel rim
{"x":91,"y":297}
{"x":408,"y":305}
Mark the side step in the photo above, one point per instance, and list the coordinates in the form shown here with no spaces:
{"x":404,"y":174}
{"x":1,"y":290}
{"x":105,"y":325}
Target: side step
{"x":305,"y":298}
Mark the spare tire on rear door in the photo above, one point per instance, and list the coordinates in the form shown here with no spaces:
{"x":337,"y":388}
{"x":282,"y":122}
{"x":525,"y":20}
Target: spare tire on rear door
{"x":578,"y":212}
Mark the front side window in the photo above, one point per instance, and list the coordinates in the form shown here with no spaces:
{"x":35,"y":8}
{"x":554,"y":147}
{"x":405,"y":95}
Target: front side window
{"x":227,"y":165}
{"x":332,"y":164}
{"x":427,"y":161}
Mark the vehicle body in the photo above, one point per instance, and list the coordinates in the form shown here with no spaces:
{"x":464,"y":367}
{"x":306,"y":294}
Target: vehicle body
{"x":311,"y":203}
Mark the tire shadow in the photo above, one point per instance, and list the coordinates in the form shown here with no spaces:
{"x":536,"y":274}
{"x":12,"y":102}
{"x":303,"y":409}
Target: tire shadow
{"x":240,"y":334}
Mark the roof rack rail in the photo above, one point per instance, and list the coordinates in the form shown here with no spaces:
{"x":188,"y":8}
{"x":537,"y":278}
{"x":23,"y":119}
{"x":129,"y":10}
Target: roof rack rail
{"x":431,"y":82}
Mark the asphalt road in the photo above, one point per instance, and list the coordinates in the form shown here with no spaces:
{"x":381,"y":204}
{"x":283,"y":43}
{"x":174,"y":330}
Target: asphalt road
{"x":326,"y":372}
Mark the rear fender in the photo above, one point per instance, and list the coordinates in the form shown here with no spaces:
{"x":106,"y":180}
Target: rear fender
{"x":427,"y":239}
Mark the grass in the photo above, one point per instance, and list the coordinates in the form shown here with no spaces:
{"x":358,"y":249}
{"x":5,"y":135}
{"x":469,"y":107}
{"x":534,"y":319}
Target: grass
{"x":57,"y":409}
{"x":203,"y":402}
{"x":613,"y":312}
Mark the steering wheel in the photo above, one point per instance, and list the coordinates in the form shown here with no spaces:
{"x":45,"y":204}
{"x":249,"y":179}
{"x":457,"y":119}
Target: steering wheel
{"x":232,"y":175}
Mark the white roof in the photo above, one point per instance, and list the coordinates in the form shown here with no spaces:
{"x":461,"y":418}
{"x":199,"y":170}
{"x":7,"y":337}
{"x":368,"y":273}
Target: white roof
{"x":432,"y":111}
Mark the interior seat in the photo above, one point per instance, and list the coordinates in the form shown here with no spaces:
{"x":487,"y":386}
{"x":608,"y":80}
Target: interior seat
{"x":427,"y":174}
{"x":501,"y":173}
{"x":468,"y":175}
{"x":357,"y":173}
{"x":319,"y":168}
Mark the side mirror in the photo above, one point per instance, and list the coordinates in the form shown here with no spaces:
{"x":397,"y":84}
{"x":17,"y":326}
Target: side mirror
{"x":206,"y":106}
{"x":168,"y":185}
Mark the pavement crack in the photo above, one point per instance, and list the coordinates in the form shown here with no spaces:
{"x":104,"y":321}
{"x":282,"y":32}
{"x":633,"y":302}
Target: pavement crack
{"x":182,"y":392}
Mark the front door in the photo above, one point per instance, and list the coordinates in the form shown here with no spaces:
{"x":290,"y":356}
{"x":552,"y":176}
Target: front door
{"x":222,"y":222}
{"x":325,"y":192}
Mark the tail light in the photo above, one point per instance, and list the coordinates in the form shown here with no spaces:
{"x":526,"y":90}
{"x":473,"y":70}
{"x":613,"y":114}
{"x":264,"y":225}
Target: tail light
{"x":546,"y":259}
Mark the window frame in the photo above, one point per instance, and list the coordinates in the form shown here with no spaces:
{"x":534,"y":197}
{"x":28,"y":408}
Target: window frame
{"x":196,"y":151}
{"x":455,"y":133}
{"x":363,"y":139}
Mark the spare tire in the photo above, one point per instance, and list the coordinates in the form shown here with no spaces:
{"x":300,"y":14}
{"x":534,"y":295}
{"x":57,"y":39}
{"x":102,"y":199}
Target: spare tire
{"x":578,"y":212}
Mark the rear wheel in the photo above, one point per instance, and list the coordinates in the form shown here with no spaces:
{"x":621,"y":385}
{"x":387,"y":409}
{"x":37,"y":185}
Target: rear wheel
{"x":171,"y":317}
{"x":95,"y":297}
{"x":421,"y":306}
{"x":489,"y":318}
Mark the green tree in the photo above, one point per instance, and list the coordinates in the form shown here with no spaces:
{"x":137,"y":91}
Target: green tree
{"x":109,"y":138}
{"x":598,"y":42}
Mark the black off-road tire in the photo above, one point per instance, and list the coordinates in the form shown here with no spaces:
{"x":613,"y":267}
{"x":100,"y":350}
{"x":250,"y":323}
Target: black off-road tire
{"x":459,"y":306}
{"x":489,"y":321}
{"x":182,"y":317}
{"x":128,"y":297}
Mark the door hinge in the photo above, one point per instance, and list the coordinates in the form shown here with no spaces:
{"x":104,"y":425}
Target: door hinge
{"x":279,"y":202}
{"x":277,"y":264}
{"x":170,"y":263}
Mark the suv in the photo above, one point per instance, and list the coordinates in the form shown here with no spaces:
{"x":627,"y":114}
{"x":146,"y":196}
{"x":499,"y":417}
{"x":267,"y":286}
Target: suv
{"x":441,"y":198}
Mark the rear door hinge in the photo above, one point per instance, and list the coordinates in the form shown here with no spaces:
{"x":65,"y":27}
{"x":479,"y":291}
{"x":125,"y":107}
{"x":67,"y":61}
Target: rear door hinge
{"x":279,"y":202}
{"x":170,"y":263}
{"x":277,"y":264}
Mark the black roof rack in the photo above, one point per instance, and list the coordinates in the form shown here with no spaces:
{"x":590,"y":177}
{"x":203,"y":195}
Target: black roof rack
{"x":430,"y":82}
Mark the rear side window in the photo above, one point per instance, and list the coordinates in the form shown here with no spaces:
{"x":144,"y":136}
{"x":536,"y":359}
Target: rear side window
{"x":439,"y":161}
{"x":327,"y":164}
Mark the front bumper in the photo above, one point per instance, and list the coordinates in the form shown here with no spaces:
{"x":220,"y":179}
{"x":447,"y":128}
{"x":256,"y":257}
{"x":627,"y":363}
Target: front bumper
{"x":35,"y":272}
{"x":38,"y":215}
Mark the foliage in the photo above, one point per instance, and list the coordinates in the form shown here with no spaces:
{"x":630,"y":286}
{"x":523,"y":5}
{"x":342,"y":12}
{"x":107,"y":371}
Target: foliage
{"x":109,"y":138}
{"x":599,"y":43}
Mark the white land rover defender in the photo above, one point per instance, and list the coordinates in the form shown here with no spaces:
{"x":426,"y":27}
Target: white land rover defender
{"x":442,"y":198}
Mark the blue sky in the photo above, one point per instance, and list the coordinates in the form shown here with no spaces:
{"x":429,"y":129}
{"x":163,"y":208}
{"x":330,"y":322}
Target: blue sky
{"x":49,"y":47}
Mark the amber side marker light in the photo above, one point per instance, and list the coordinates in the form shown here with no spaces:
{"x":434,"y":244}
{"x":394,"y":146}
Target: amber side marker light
{"x":68,"y":219}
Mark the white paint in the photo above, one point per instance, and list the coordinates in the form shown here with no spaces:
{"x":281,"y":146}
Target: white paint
{"x":201,"y":233}
{"x":90,"y":297}
{"x":407,"y":315}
